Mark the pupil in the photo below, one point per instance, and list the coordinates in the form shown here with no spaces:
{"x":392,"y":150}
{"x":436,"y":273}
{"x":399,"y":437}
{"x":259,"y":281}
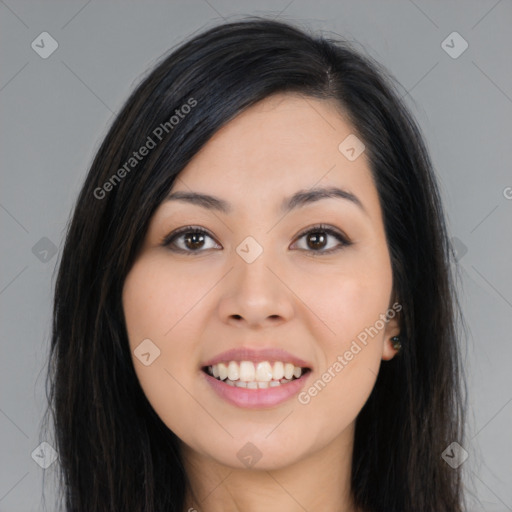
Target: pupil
{"x":316,"y":237}
{"x":194,"y":242}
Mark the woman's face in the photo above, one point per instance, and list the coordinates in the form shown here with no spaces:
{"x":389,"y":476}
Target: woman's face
{"x":259,"y":296}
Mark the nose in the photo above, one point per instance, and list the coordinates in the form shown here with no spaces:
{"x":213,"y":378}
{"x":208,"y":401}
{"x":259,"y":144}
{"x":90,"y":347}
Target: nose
{"x":255,"y":294}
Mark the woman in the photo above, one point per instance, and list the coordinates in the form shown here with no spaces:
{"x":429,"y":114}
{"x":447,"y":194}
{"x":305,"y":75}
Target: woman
{"x":254,"y":308}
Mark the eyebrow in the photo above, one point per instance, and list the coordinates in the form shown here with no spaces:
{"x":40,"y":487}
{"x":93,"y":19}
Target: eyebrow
{"x":297,"y":200}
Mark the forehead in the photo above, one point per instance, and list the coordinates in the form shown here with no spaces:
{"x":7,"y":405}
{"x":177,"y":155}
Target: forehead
{"x":284,"y":143}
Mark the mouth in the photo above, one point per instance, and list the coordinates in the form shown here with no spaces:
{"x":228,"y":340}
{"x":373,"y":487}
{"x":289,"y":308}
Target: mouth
{"x":256,"y":384}
{"x":255,"y":375}
{"x":256,"y":378}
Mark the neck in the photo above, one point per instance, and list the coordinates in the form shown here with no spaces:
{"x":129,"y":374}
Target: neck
{"x":318,"y":481}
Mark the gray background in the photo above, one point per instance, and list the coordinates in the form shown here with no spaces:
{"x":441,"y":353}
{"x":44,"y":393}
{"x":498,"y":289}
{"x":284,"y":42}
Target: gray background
{"x":55,"y":112}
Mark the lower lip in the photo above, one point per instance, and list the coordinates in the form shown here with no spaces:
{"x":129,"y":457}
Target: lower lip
{"x":256,"y":398}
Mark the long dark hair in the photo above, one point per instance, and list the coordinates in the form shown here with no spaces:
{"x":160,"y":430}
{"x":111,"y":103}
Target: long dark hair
{"x":115,"y":452}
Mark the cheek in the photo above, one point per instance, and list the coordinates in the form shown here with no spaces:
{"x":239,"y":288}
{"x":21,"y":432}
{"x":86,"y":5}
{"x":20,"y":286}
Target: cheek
{"x":157,"y":300}
{"x":350,"y":305}
{"x":156,"y":303}
{"x":334,"y":399}
{"x":346,"y":303}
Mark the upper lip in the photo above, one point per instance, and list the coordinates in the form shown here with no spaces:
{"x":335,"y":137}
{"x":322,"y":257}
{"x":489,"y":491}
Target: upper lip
{"x":257,"y":355}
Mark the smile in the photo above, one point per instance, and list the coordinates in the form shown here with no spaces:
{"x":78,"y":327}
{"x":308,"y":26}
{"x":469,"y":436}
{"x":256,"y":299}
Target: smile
{"x":259,"y":375}
{"x":256,"y":385}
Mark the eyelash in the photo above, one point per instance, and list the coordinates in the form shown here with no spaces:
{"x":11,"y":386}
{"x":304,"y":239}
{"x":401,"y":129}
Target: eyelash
{"x":345,"y":242}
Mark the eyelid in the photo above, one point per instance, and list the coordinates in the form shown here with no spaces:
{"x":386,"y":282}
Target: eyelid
{"x":334,"y":232}
{"x":168,"y":239}
{"x":330,"y":230}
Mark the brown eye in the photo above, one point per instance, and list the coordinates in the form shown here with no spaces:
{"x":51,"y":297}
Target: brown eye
{"x":188,"y":240}
{"x":193,"y":240}
{"x":317,"y":239}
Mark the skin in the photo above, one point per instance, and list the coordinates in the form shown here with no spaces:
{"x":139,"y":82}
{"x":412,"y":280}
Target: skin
{"x":196,"y":306}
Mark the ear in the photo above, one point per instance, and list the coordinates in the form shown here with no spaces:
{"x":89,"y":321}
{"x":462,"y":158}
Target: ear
{"x":392,"y":329}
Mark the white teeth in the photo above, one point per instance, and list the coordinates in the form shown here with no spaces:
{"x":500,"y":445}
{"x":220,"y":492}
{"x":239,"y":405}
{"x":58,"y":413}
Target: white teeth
{"x":233,"y":373}
{"x":256,"y":385}
{"x":251,"y":375}
{"x":278,"y":370}
{"x":288,"y":370}
{"x":264,"y":372}
{"x":223,"y":371}
{"x":247,"y":371}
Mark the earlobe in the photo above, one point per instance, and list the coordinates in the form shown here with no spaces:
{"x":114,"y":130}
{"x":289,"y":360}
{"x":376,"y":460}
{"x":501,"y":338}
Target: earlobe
{"x":392,"y":347}
{"x":392,"y":342}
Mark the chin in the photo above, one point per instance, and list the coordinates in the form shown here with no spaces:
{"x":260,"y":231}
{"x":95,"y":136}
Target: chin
{"x":260,"y":451}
